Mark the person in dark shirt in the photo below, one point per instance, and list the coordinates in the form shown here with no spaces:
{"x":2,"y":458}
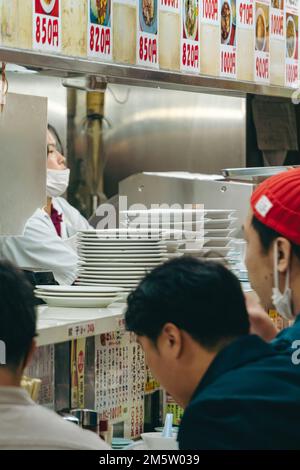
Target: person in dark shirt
{"x":237,"y":391}
{"x":272,"y":233}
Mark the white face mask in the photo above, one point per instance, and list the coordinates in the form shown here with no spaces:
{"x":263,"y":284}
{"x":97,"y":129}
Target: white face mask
{"x":282,"y":302}
{"x":57,"y":182}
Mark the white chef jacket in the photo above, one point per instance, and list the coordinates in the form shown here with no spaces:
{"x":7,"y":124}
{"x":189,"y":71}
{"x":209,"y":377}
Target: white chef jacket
{"x":24,"y":425}
{"x":41,"y":247}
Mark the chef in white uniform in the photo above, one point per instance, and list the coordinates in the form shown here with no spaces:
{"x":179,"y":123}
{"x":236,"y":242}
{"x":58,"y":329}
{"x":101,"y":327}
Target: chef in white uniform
{"x":48,"y":241}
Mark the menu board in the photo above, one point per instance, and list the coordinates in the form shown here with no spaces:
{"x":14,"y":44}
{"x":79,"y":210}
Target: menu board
{"x":228,"y":52}
{"x":190,"y":36}
{"x":120,"y":380}
{"x":46,"y":30}
{"x":147,"y":33}
{"x":262,"y":42}
{"x":99,"y":41}
{"x":292,"y":44}
{"x":246,"y":40}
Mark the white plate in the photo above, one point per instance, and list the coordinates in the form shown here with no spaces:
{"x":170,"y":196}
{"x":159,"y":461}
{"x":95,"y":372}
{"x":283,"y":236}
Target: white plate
{"x":121,"y":256}
{"x":116,"y":282}
{"x":78,"y":294}
{"x":142,"y":242}
{"x":219,"y":223}
{"x":110,"y":276}
{"x":79,"y":302}
{"x":217,"y":241}
{"x":122,"y":246}
{"x":121,"y":264}
{"x":39,"y":294}
{"x":122,"y":261}
{"x":124,"y":269}
{"x":151,"y":253}
{"x":75,"y":289}
{"x":219,"y":232}
{"x":86,"y":283}
{"x":211,"y":251}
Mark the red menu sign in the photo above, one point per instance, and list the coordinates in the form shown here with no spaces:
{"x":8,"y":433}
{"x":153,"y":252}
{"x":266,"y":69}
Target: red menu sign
{"x":46,"y":33}
{"x":262,"y":42}
{"x":147,"y":33}
{"x":228,"y":54}
{"x":99,"y":39}
{"x":190,"y":36}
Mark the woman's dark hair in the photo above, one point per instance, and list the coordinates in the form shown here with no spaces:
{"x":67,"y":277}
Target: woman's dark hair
{"x":267,"y":235}
{"x":17,"y":314}
{"x":202,"y":298}
{"x":57,"y":138}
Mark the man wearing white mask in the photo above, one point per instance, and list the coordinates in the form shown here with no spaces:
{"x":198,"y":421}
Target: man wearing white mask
{"x":272,"y":233}
{"x":48,"y":239}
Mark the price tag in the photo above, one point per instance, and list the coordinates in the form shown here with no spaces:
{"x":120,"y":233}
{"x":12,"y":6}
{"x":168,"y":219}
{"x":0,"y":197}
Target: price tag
{"x":262,"y":67}
{"x":190,"y":36}
{"x":262,"y":42}
{"x":277,"y":20}
{"x":100,"y":30}
{"x":291,"y":46}
{"x":81,"y":330}
{"x":228,"y":51}
{"x":147,"y":33}
{"x":209,"y":12}
{"x":172,"y":6}
{"x":46,"y":32}
{"x":245,"y":14}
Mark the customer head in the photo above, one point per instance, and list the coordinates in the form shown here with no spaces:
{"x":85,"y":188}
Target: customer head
{"x":272,"y":233}
{"x":17,"y":324}
{"x":183,"y":313}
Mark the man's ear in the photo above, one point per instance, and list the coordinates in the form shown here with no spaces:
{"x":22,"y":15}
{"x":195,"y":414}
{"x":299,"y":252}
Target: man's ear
{"x":284,"y":254}
{"x":172,"y":339}
{"x":30,"y":354}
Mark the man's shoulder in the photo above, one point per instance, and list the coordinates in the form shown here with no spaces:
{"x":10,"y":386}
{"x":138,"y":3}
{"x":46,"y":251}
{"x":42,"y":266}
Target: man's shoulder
{"x":52,"y":430}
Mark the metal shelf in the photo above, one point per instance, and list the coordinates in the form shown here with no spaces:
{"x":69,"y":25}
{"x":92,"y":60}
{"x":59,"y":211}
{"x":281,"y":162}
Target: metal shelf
{"x":63,"y":66}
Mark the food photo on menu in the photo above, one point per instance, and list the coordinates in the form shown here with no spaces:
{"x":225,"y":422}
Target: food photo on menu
{"x":228,"y":22}
{"x":262,"y":28}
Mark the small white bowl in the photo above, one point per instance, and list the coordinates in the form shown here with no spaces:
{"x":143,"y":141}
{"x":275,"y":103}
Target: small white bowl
{"x":155,"y":441}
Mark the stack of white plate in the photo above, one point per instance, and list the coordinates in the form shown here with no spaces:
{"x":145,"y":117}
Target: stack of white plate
{"x":117,"y":258}
{"x":197,"y":232}
{"x":79,"y":296}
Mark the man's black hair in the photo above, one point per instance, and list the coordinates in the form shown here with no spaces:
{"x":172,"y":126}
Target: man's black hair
{"x":202,"y":298}
{"x":267,"y":235}
{"x":17,"y":314}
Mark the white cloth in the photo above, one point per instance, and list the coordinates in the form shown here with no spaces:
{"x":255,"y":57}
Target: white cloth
{"x":41,"y":247}
{"x":25,"y":425}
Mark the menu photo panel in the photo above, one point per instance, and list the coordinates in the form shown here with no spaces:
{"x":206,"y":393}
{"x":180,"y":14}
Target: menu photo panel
{"x":190,"y":36}
{"x":262,"y":42}
{"x":99,"y":40}
{"x":228,"y":47}
{"x":292,"y":44}
{"x":147,"y":52}
{"x":46,"y":30}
